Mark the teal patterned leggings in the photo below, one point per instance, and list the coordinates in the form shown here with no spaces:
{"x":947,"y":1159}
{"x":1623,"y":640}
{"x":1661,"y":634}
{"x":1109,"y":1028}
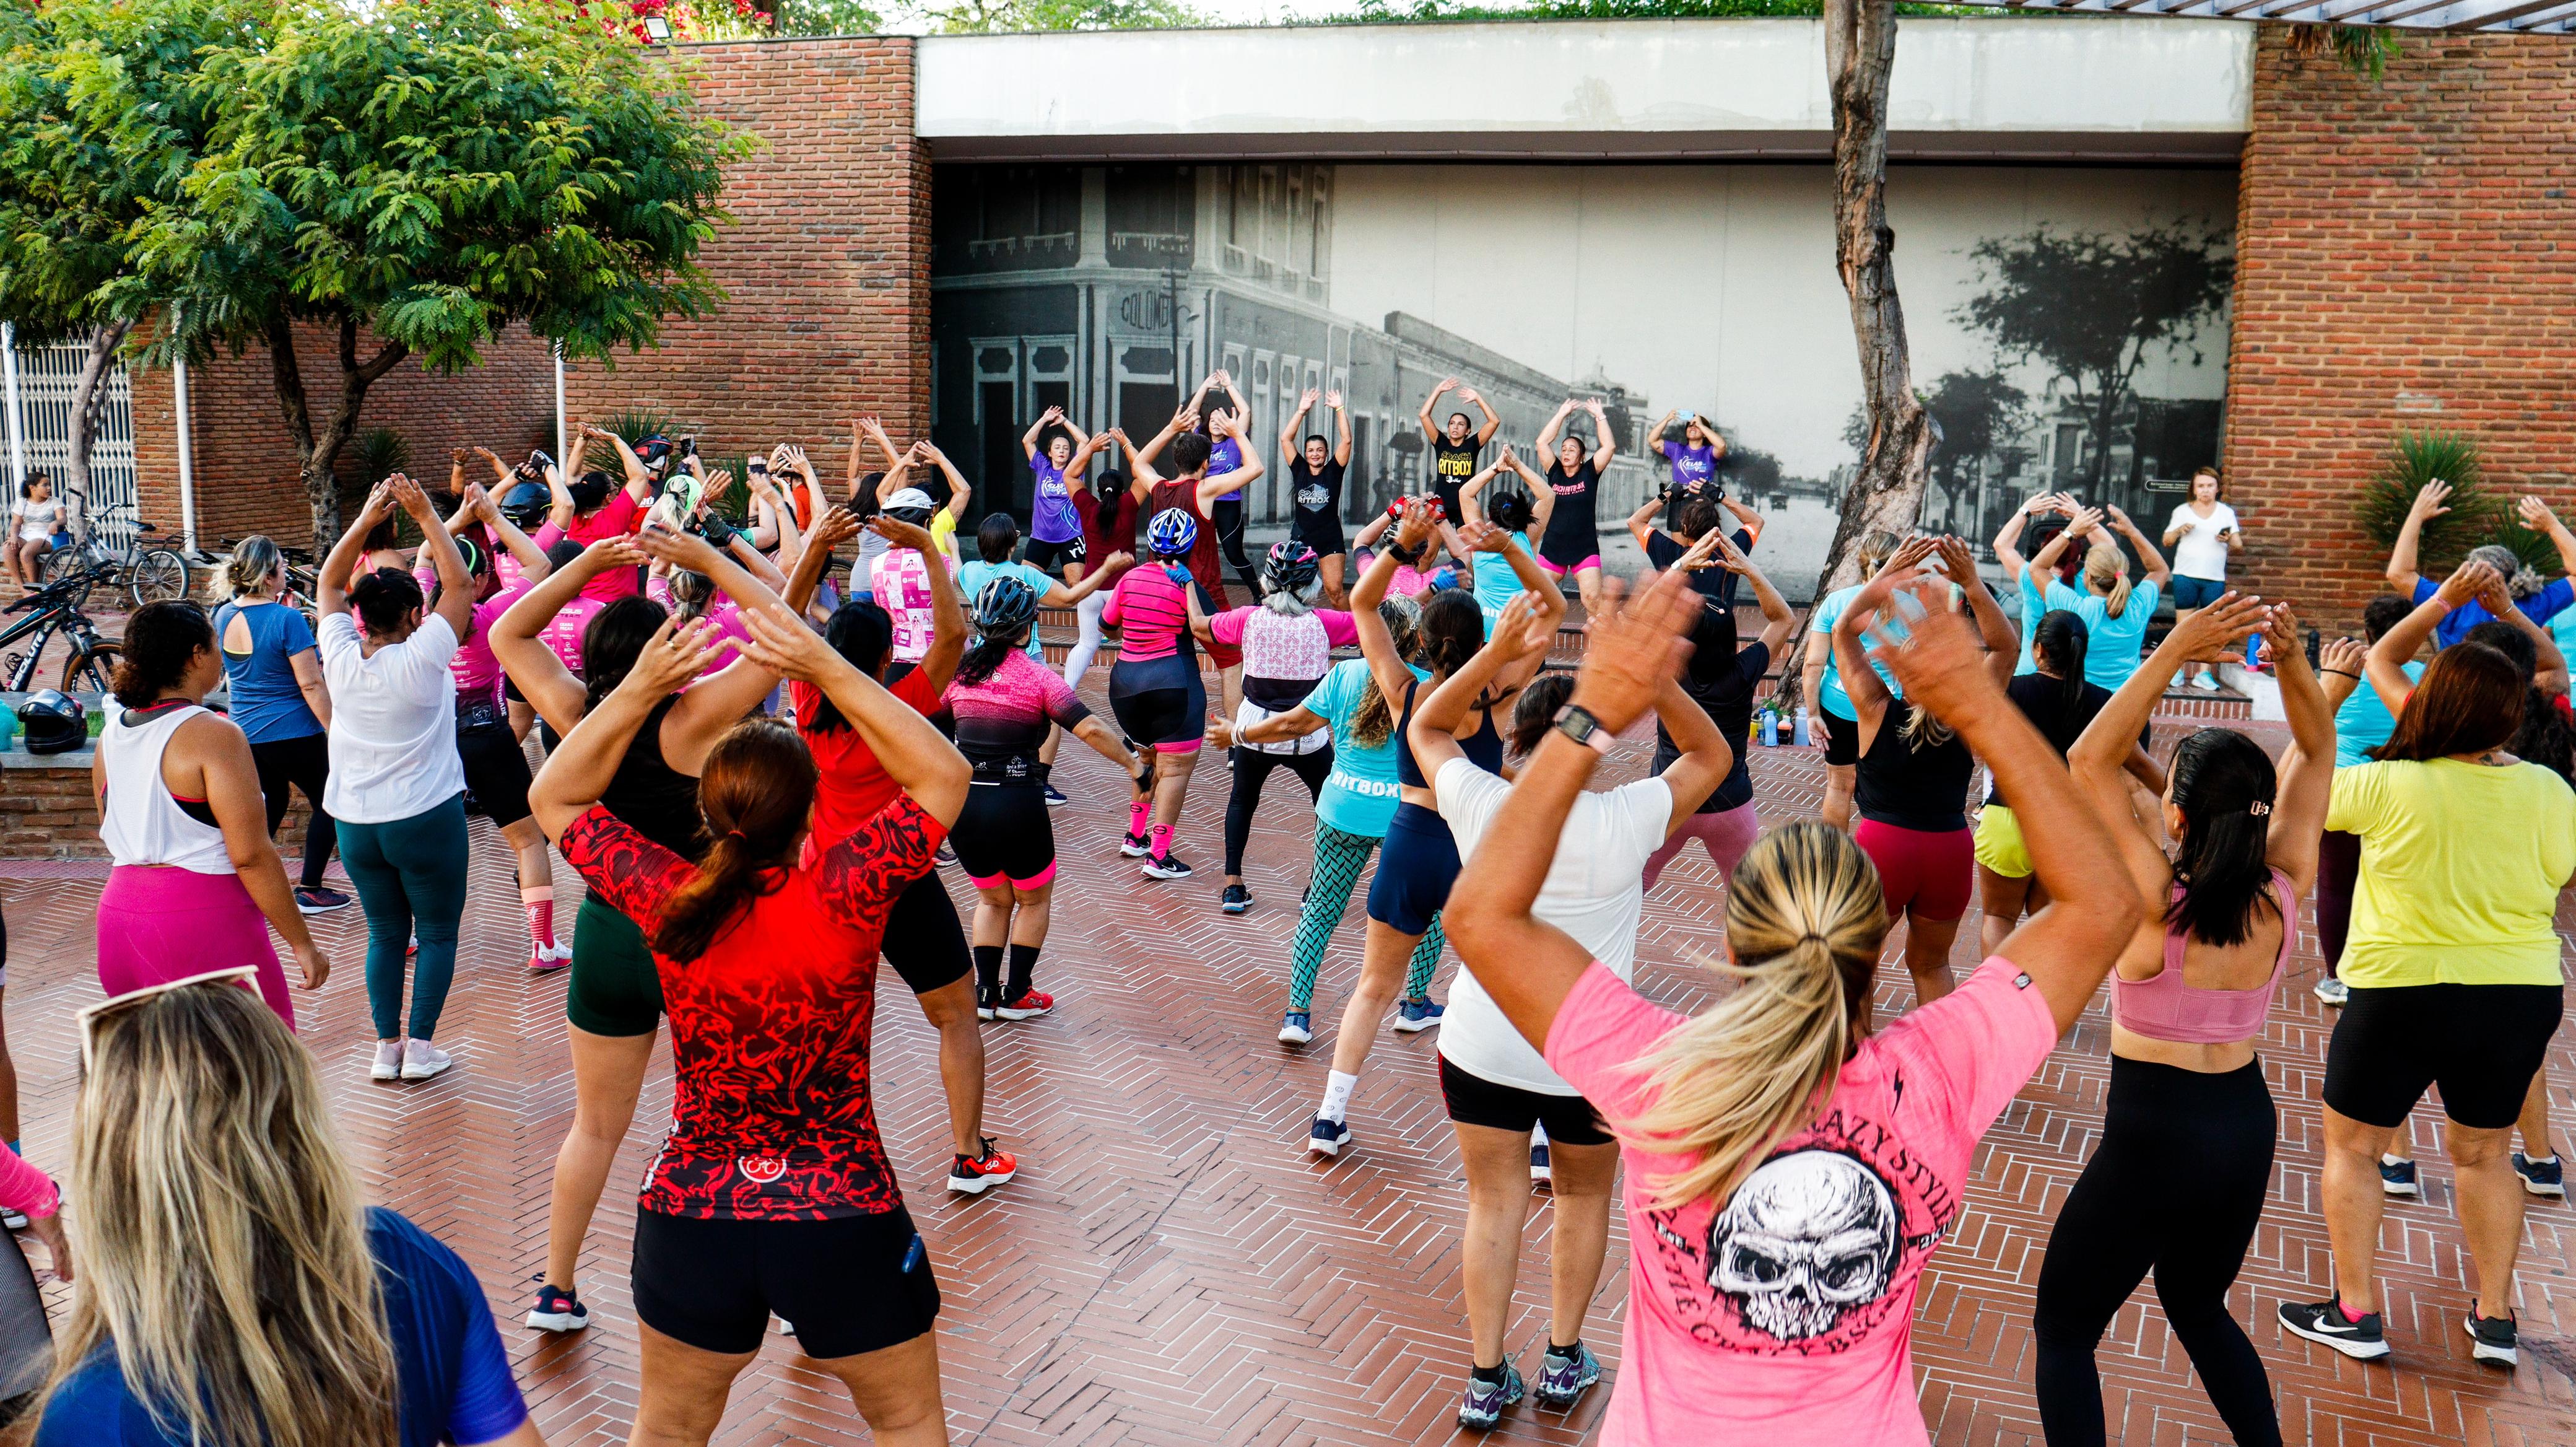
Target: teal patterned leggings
{"x":1339,"y":858}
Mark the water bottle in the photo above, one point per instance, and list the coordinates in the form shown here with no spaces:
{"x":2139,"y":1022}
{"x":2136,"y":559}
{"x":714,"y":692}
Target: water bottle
{"x":1800,"y":733}
{"x":1770,"y":729}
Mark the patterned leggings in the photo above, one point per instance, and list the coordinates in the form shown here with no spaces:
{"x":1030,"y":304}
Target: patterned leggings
{"x":1339,"y":858}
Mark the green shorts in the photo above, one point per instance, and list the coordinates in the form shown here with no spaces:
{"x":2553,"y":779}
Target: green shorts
{"x":615,"y":989}
{"x":1999,"y":847}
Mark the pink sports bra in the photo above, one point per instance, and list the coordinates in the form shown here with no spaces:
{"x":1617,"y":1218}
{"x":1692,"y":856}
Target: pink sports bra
{"x":2164,"y":1008}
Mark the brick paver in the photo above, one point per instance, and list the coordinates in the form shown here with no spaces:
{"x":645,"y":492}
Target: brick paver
{"x":1170,"y":1269}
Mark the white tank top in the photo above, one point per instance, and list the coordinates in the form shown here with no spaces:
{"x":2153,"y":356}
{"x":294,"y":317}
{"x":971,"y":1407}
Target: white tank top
{"x":141,"y":823}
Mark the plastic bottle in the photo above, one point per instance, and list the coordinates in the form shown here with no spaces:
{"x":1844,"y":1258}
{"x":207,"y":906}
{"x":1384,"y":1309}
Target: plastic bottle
{"x":1800,"y":735}
{"x":1770,"y":729}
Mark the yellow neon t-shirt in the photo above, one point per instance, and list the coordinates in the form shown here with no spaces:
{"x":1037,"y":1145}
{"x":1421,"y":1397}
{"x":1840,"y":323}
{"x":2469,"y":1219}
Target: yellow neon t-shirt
{"x":2461,"y":865}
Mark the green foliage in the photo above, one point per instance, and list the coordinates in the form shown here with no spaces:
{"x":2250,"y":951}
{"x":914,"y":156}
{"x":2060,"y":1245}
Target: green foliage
{"x":990,"y":16}
{"x":826,"y":17}
{"x":2365,"y":50}
{"x":2414,"y":459}
{"x":371,"y":457}
{"x":2535,"y":550}
{"x":637,"y":423}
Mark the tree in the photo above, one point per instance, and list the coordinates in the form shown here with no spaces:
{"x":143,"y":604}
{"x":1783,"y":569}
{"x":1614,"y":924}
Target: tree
{"x":1973,"y":413}
{"x":427,"y":175}
{"x":99,"y":124}
{"x":986,"y":16}
{"x":2092,"y":308}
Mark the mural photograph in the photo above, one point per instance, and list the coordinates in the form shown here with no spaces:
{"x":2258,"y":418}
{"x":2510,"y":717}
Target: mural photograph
{"x":2069,"y":327}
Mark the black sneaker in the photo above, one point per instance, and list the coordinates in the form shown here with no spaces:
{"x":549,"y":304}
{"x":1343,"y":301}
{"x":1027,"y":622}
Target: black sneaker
{"x":2494,"y":1339}
{"x":2397,"y":1178}
{"x":1055,"y":797}
{"x":2363,"y":1340}
{"x":1238,"y":899}
{"x":558,"y":1309}
{"x":1135,"y":847}
{"x":2541,"y":1178}
{"x":314,"y":899}
{"x":1166,"y":866}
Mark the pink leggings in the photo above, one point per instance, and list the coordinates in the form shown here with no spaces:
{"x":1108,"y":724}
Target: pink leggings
{"x":1725,"y":835}
{"x":158,"y":923}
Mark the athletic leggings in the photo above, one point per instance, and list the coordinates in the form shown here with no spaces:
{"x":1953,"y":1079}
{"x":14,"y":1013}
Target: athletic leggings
{"x":1726,"y":835}
{"x":410,"y":875}
{"x":2338,"y":865}
{"x":1339,"y":858}
{"x":1228,"y":517}
{"x":305,"y":764}
{"x":1251,"y":771}
{"x":1077,"y":660}
{"x":2176,"y":1187}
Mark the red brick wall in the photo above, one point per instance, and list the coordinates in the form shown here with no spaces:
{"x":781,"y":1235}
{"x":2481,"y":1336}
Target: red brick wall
{"x":2403,"y":262}
{"x":826,"y":269}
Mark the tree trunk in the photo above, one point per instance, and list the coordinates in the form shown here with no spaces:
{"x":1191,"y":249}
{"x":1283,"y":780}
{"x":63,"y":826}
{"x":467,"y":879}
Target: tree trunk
{"x":317,"y":451}
{"x":1860,"y":51}
{"x":89,"y":408}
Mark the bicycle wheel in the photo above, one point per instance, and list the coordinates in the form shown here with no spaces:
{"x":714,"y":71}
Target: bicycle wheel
{"x":62,"y":563}
{"x":93,"y":672}
{"x":160,"y":576}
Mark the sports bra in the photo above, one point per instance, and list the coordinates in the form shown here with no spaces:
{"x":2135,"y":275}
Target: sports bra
{"x":2164,"y":1008}
{"x":1484,"y":747}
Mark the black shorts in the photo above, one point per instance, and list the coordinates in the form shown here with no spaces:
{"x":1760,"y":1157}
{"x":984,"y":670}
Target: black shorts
{"x":496,"y":769}
{"x":924,"y":940}
{"x":616,"y":989}
{"x":510,"y":689}
{"x":848,"y":1285}
{"x":1323,"y":535}
{"x":1003,"y":833}
{"x":2480,"y":1043}
{"x":1842,"y":739}
{"x":1474,"y":1100}
{"x":1045,"y":557}
{"x":1160,"y":702}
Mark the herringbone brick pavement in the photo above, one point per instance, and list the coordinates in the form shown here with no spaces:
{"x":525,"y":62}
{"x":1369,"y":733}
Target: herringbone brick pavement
{"x":1170,"y":1268}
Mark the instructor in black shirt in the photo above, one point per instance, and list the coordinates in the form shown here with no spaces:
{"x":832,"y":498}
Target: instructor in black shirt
{"x":1315,"y":488}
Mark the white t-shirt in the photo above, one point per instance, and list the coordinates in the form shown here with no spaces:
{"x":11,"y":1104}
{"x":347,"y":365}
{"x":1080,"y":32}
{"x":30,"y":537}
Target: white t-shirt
{"x":393,"y":722}
{"x":2201,"y":553}
{"x":1595,"y":891}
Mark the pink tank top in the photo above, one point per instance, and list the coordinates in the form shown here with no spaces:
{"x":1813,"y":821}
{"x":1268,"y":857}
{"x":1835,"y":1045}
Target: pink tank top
{"x":2164,"y":1008}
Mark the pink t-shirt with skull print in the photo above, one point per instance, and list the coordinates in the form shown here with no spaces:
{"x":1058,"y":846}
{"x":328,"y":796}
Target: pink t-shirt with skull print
{"x":1784,"y":1314}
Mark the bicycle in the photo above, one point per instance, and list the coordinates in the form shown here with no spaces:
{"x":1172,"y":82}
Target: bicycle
{"x":303,"y":579}
{"x":147,"y":574}
{"x":56,"y":608}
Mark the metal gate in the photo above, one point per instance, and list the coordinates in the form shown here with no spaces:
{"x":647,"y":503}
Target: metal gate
{"x":38,"y":383}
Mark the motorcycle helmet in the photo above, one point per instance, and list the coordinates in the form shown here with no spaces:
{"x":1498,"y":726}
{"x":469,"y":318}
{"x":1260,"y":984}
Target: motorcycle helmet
{"x":526,"y":502}
{"x":54,"y":722}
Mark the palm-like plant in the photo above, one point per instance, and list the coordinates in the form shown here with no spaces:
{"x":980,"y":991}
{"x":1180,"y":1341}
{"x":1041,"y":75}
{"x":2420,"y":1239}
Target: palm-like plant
{"x":2414,"y":459}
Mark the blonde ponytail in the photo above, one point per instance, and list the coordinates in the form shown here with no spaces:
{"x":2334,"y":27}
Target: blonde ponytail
{"x":1876,"y":547}
{"x":1804,"y":920}
{"x":2107,"y":568}
{"x":253,"y":562}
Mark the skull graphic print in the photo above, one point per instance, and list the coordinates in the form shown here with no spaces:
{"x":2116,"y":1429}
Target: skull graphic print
{"x":1806,"y":1236}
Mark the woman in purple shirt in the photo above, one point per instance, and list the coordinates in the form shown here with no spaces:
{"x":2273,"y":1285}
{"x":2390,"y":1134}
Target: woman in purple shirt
{"x":1225,"y":454}
{"x":1055,"y":529}
{"x":1695,"y":457}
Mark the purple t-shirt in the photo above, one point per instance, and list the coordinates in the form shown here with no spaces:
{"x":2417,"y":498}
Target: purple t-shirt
{"x":1052,"y":518}
{"x":1224,"y":456}
{"x":1691,"y":465}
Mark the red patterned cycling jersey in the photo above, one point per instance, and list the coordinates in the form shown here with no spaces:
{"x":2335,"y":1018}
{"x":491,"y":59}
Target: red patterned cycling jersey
{"x":771,"y":1118}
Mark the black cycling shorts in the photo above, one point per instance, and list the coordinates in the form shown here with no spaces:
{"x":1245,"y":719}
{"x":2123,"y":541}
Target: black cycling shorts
{"x":923,"y":939}
{"x":1474,"y":1100}
{"x":1046,"y":557}
{"x":1842,"y":738}
{"x":2480,"y":1043}
{"x":496,"y":768}
{"x":849,"y":1285}
{"x":1003,"y":833}
{"x":1160,"y":703}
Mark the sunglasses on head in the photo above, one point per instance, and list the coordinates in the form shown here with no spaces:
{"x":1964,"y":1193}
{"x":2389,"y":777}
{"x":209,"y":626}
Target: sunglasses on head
{"x":88,"y":1016}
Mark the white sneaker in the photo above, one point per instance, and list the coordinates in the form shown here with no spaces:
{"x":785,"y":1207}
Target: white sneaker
{"x":389,"y":1060}
{"x":421,"y":1060}
{"x":2207,"y":681}
{"x":2333,"y":991}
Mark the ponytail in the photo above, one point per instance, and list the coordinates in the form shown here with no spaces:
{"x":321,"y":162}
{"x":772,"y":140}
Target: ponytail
{"x":2107,"y":568}
{"x":1372,"y":718}
{"x":987,"y":654}
{"x":2225,"y":786}
{"x":1535,"y":711}
{"x":1804,"y":921}
{"x":755,"y":793}
{"x":2063,"y":640}
{"x":253,"y":562}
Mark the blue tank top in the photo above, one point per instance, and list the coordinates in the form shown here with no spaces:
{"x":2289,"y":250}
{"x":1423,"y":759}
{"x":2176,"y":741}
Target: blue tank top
{"x":1484,"y":747}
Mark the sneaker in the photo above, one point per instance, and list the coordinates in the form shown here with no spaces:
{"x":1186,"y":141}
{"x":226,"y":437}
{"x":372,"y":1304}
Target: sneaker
{"x":1415,"y":1016}
{"x":389,"y":1061}
{"x":2541,"y":1178}
{"x":1030,"y":1004}
{"x":12,"y":1220}
{"x":985,"y":1006}
{"x":975,"y":1177}
{"x":550,"y":958}
{"x":557,"y":1309}
{"x":2333,"y":991}
{"x":1483,"y":1405}
{"x":1562,"y":1380}
{"x":945,"y":855}
{"x":1135,"y":847}
{"x":412,"y":947}
{"x":318,"y":900}
{"x":2397,"y":1178}
{"x":1328,"y":1137}
{"x":1055,"y":797}
{"x":2494,"y":1339}
{"x":1540,"y":1170}
{"x":1237,"y":899}
{"x":1296,"y":1027}
{"x":421,"y":1060}
{"x":1166,"y":866}
{"x":2324,"y":1321}
{"x":2206,"y":680}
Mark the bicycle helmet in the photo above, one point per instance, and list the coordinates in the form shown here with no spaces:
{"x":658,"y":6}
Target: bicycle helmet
{"x":911,"y":505}
{"x":655,"y":453}
{"x":526,"y":502}
{"x":54,"y":722}
{"x":1172,"y":533}
{"x":1290,"y":566}
{"x":1439,"y":509}
{"x":1004,"y":606}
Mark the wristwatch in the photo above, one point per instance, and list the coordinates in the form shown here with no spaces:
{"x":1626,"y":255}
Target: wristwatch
{"x":1578,"y":724}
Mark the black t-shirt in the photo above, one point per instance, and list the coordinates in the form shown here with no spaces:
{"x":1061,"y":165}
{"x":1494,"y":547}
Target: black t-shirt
{"x":1572,"y":532}
{"x":1451,"y":465}
{"x":1317,"y":493}
{"x":1914,"y":788}
{"x":1728,"y":697}
{"x":1663,"y":550}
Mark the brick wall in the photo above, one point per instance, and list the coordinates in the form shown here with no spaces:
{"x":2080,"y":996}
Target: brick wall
{"x":827,"y":267}
{"x":2403,"y":262}
{"x":48,"y":812}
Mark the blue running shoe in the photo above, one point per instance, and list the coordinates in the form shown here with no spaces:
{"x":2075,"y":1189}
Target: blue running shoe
{"x":1296,"y":1027}
{"x":1483,"y":1405}
{"x":1328,"y":1137}
{"x":2397,"y":1178}
{"x":1562,"y":1380}
{"x":1412,"y":1016}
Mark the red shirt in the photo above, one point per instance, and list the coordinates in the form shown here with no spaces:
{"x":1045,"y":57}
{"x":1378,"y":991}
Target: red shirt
{"x":619,"y":516}
{"x":771,"y":1118}
{"x":1108,"y":525}
{"x":1207,"y":567}
{"x":854,"y":786}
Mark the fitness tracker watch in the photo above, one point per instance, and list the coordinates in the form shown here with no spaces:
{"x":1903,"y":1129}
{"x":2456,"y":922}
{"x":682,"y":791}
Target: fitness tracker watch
{"x":1578,"y":724}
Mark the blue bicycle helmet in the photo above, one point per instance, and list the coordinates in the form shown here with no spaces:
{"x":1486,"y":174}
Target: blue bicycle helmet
{"x":1172,"y":533}
{"x":1004,"y":606}
{"x":1290,"y":566}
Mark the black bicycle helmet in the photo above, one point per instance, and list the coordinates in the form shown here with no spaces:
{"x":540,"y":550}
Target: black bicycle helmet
{"x":54,"y":722}
{"x":1004,"y":605}
{"x":526,"y":502}
{"x":1290,"y":566}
